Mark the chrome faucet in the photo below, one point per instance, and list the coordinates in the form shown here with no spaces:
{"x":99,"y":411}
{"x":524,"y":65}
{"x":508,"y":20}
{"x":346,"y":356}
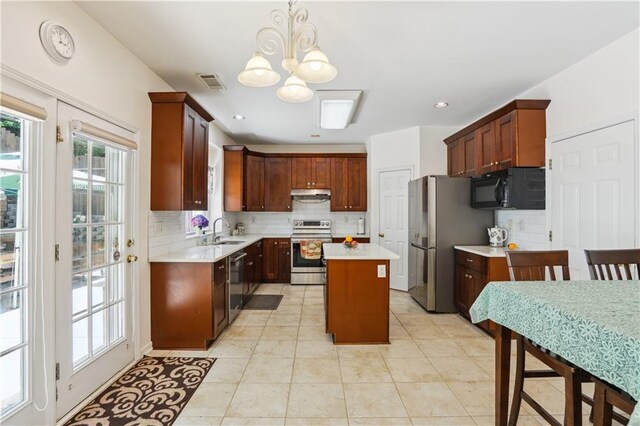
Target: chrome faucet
{"x":216,"y":238}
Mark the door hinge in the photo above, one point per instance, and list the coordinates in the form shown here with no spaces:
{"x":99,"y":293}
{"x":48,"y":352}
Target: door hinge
{"x":550,"y":235}
{"x":56,"y":393}
{"x":59,"y":138}
{"x":550,"y":164}
{"x":57,"y":371}
{"x":57,"y":252}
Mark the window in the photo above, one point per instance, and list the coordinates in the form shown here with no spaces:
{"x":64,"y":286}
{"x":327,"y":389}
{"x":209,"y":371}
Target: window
{"x":190,"y":230}
{"x":16,"y":137}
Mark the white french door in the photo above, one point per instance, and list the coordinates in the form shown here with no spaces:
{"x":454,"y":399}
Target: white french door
{"x":93,"y":278}
{"x":393,"y":228}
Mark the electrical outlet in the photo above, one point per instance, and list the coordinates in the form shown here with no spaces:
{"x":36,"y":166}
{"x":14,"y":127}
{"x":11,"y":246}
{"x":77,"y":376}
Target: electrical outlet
{"x":382,"y":271}
{"x":510,"y":224}
{"x":253,"y":219}
{"x":521,"y":224}
{"x":346,"y":219}
{"x":159,"y":228}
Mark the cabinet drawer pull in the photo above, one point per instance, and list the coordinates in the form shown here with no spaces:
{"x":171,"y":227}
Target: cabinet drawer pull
{"x":469,"y":260}
{"x":221,"y":267}
{"x":250,"y":263}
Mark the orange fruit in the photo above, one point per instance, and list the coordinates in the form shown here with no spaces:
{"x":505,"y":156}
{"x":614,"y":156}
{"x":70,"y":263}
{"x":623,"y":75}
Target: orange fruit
{"x":349,"y":238}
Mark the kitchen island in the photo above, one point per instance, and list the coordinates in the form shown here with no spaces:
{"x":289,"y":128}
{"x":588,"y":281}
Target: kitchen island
{"x":357,"y":293}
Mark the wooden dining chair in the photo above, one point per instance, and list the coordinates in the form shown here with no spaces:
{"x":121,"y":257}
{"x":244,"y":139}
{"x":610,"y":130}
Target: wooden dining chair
{"x":618,"y":264}
{"x":613,"y":264}
{"x":534,"y":266}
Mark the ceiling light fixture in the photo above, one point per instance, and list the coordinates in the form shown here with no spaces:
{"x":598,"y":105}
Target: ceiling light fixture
{"x":300,"y":34}
{"x":440,"y":105}
{"x":239,"y":117}
{"x":336,"y":108}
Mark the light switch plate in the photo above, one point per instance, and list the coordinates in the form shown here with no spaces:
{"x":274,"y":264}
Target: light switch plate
{"x":382,"y":271}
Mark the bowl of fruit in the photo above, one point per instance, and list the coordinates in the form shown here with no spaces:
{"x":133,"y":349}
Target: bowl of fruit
{"x":350,"y":243}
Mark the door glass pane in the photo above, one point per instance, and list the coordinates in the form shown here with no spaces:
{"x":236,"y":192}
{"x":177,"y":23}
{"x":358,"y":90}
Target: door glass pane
{"x":98,"y":327}
{"x":11,"y":317}
{"x":98,"y":253}
{"x":98,"y":203}
{"x":12,"y":260}
{"x":12,"y":367}
{"x":11,"y":144}
{"x":12,"y":206}
{"x":115,"y":165}
{"x":80,"y":196}
{"x":80,"y":158}
{"x":98,"y":163}
{"x":116,"y":317}
{"x":80,"y":259}
{"x":98,"y":287}
{"x":115,"y":203}
{"x":116,"y":279}
{"x":80,"y":333}
{"x":80,"y":294}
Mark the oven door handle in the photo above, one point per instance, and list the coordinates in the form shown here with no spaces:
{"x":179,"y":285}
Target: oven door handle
{"x":322,"y":240}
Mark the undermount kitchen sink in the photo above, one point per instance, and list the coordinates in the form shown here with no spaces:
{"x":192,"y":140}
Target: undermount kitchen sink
{"x":221,"y":243}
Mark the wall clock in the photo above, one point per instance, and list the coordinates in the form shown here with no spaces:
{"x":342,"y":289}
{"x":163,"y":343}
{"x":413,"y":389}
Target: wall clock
{"x":57,"y":42}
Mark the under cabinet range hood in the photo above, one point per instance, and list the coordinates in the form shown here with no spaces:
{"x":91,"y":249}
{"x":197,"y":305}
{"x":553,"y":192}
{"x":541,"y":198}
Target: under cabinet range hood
{"x":311,"y":195}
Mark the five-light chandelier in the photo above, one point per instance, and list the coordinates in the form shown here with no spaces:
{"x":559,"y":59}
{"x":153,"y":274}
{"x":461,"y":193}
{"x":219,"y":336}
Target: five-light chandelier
{"x":314,"y":68}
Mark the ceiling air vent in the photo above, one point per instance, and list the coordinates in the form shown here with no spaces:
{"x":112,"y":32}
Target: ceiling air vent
{"x":212,"y":81}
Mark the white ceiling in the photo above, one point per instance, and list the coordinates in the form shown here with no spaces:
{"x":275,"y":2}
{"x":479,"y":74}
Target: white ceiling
{"x":405,"y":56}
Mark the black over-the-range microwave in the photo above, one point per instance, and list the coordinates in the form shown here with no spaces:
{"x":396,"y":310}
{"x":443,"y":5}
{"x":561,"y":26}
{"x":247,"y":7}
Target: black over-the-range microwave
{"x":514,"y":188}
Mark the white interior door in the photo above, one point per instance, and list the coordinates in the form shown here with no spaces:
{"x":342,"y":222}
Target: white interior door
{"x":93,"y":278}
{"x":594,"y":193}
{"x":393,"y":228}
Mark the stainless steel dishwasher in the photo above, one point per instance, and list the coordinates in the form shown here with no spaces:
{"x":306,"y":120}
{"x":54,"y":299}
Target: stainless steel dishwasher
{"x":236,"y":283}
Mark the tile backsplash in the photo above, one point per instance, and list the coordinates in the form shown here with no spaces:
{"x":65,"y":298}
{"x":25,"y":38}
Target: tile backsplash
{"x":527,"y":228}
{"x":342,"y":223}
{"x":167,"y":229}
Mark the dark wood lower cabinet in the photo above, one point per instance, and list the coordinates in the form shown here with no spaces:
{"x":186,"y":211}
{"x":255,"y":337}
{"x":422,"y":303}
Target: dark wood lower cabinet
{"x":252,"y":270}
{"x":472,"y":273}
{"x":364,"y":240}
{"x":188,"y":304}
{"x":276,"y":260}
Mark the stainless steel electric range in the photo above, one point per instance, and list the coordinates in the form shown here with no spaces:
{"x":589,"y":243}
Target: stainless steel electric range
{"x":306,"y":250}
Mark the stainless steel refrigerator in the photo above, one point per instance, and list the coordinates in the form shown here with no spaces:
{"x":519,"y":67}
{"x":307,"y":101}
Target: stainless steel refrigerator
{"x":440,"y":216}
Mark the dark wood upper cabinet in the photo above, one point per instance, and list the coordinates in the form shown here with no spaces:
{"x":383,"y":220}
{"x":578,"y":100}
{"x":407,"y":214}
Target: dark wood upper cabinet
{"x":511,"y":136}
{"x":349,"y":184}
{"x":179,"y":152}
{"x":486,"y":138}
{"x":455,"y":158}
{"x":310,"y":172}
{"x":277,"y":184}
{"x":254,"y":179}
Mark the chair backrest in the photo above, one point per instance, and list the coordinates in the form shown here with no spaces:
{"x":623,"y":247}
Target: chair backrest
{"x":604,"y":263}
{"x":533,"y":265}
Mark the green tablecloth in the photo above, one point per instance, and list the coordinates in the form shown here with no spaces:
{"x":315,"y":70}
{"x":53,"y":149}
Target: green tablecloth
{"x":593,"y":324}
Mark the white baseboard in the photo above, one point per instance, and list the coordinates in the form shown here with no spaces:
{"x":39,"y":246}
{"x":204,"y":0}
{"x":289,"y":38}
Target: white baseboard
{"x":146,"y":349}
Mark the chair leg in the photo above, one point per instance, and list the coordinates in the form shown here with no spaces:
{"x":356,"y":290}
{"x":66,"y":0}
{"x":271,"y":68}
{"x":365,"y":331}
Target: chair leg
{"x":572,"y":398}
{"x":602,"y":410}
{"x":519,"y":382}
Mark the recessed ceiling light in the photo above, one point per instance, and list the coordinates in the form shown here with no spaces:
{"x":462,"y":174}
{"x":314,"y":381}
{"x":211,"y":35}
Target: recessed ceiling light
{"x":441,"y":105}
{"x":315,"y":136}
{"x":239,"y":117}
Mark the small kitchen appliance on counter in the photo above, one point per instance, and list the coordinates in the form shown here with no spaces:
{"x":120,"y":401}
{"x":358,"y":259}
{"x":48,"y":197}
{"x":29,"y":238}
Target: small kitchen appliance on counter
{"x":306,"y":250}
{"x":497,"y":236}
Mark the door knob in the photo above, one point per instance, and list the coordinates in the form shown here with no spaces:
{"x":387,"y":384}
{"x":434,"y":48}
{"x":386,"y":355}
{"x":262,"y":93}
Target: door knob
{"x":381,"y":234}
{"x":132,"y":258}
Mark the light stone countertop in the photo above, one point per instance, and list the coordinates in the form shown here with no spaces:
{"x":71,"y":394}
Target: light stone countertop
{"x":337,"y":251}
{"x":211,"y":253}
{"x":486,"y":251}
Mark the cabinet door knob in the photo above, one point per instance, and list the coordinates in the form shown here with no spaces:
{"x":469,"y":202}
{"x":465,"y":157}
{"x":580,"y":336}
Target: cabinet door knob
{"x":350,"y":207}
{"x":308,"y":183}
{"x":313,"y":184}
{"x":345,"y":207}
{"x":263,"y":207}
{"x":469,"y":260}
{"x":288,"y":207}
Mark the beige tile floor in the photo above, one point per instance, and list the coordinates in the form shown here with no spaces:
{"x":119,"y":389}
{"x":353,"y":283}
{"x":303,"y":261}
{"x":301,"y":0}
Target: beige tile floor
{"x":279,"y":367}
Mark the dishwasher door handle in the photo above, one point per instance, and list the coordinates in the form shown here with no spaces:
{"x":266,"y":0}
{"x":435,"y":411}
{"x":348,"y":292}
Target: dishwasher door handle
{"x":234,"y":260}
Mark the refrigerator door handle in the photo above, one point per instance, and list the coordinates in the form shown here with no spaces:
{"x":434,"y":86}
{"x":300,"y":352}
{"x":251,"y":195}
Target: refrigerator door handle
{"x":431,"y":279}
{"x":421,"y":247}
{"x":431,"y":211}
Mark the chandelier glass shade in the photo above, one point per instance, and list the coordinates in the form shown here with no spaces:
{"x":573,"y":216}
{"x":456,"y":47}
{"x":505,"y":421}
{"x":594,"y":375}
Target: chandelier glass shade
{"x":299,"y":35}
{"x":295,"y":91}
{"x":258,"y":73}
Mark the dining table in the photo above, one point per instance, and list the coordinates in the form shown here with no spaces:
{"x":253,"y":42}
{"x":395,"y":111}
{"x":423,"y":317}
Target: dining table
{"x":594,"y":325}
